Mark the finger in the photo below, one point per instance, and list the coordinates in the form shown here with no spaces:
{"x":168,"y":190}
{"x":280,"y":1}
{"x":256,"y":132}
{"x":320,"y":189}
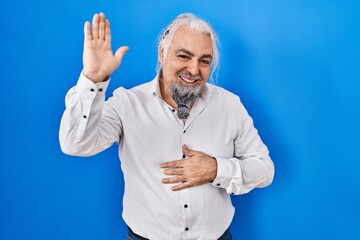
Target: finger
{"x":107,"y":31}
{"x":102,"y":26}
{"x":95,"y":26}
{"x":87,"y":31}
{"x":120,"y":53}
{"x":172,"y":164}
{"x":181,"y":186}
{"x":187,"y":151}
{"x":174,"y":171}
{"x":177,"y":179}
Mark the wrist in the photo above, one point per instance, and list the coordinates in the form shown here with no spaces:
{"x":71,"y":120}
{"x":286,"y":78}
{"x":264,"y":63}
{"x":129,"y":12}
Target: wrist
{"x":214,"y":170}
{"x":95,"y":77}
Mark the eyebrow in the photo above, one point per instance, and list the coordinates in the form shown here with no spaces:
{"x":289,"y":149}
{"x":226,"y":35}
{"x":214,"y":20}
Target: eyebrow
{"x":182,"y":50}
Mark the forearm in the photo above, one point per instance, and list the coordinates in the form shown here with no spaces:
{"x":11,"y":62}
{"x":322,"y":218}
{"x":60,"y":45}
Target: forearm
{"x":81,"y":121}
{"x":241,"y":176}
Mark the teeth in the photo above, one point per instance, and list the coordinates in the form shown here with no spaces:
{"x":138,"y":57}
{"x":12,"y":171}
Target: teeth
{"x":187,"y":80}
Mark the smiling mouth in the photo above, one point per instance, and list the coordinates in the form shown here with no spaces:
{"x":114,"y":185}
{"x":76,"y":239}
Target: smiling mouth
{"x":188,"y":80}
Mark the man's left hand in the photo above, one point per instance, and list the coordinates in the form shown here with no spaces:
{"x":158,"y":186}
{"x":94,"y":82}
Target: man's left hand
{"x":196,"y":170}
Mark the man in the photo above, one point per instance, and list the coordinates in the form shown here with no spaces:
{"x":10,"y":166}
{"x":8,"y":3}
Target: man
{"x":184,"y":144}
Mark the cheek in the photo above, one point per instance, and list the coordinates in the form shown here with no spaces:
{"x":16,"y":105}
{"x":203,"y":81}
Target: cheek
{"x":205,"y":73}
{"x":174,"y":68}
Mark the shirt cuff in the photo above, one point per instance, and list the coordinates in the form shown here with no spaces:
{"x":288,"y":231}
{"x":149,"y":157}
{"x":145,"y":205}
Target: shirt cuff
{"x":224,"y":172}
{"x":86,"y":86}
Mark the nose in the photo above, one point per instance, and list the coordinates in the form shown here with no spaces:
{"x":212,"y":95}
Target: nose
{"x":193,"y":67}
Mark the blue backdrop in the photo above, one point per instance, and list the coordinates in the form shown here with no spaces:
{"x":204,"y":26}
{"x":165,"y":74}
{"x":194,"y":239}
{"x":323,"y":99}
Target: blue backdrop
{"x":295,"y":65}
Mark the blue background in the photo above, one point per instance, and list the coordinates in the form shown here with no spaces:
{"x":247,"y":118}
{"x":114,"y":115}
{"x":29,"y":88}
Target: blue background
{"x":295,"y":65}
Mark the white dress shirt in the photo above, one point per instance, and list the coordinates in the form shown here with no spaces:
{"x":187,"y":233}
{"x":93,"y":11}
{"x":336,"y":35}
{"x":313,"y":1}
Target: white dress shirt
{"x":149,"y":132}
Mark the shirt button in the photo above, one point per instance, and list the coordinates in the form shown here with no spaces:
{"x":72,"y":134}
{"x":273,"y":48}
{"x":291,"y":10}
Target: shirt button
{"x":184,"y":131}
{"x":91,"y":89}
{"x":187,"y":229}
{"x":218,"y":184}
{"x":232,"y":193}
{"x":173,"y":110}
{"x":84,"y":116}
{"x":184,"y":156}
{"x":100,"y":89}
{"x":185,"y":206}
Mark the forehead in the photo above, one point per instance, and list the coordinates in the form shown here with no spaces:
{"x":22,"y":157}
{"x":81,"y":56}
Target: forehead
{"x":192,"y":40}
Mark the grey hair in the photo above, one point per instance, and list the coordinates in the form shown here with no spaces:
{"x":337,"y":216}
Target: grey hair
{"x":194,"y":22}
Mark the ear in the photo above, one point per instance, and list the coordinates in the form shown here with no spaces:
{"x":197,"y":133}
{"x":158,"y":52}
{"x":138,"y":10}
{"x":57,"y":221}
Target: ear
{"x":161,"y":55}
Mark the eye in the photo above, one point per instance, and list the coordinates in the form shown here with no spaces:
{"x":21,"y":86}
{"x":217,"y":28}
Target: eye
{"x":205,"y":62}
{"x":183,"y":56}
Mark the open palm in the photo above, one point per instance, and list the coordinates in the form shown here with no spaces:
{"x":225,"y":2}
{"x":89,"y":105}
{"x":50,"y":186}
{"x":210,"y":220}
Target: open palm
{"x":99,"y":61}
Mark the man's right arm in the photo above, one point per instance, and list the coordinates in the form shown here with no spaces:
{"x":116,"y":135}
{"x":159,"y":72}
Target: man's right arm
{"x":88,"y":125}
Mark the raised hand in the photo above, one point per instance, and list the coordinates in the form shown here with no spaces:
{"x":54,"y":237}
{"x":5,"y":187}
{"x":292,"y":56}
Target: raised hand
{"x":99,"y":62}
{"x":198,"y":169}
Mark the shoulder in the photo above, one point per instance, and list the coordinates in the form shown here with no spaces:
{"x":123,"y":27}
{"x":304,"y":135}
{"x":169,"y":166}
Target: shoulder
{"x":217,"y":93}
{"x":124,"y":99}
{"x":134,"y":92}
{"x":225,"y":100}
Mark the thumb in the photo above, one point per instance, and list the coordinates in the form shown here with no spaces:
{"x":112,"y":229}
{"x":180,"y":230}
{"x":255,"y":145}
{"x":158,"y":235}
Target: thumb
{"x":187,"y":151}
{"x":119,"y":54}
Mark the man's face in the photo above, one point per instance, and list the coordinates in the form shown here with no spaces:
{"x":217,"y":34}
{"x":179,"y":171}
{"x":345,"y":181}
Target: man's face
{"x":188,"y":61}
